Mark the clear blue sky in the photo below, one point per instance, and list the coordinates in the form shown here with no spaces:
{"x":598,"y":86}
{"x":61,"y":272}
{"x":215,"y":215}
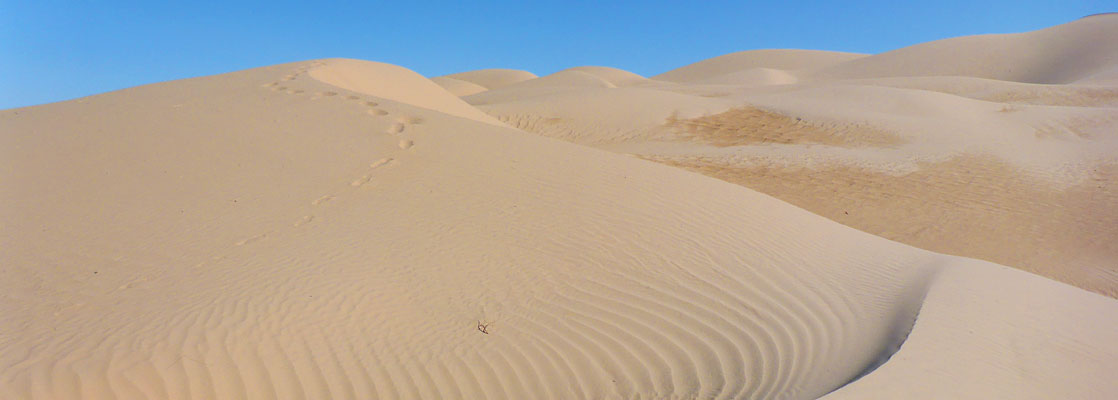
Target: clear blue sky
{"x":57,"y":50}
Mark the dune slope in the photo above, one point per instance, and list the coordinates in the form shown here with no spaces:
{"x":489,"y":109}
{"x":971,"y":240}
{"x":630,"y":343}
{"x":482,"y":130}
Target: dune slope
{"x":394,"y":83}
{"x":777,"y":59}
{"x":458,"y":87}
{"x":493,"y":78}
{"x":1017,"y":173}
{"x":1032,"y":57}
{"x":264,"y":234}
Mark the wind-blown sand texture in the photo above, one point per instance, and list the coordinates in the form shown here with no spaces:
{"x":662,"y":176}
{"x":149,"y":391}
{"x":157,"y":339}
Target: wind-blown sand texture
{"x":348,"y":229}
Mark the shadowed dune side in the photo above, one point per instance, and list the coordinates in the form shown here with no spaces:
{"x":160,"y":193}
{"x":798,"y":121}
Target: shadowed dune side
{"x":341,"y":244}
{"x":1107,"y":76}
{"x":1033,"y":57}
{"x":1010,"y":93}
{"x":952,"y":339}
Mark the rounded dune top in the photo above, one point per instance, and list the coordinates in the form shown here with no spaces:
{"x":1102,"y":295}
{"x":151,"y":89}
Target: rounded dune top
{"x":786,"y":59}
{"x":1031,"y":57}
{"x":754,"y":77}
{"x":565,"y":78}
{"x":493,"y":78}
{"x":396,"y":83}
{"x":458,"y":87}
{"x":615,"y":76}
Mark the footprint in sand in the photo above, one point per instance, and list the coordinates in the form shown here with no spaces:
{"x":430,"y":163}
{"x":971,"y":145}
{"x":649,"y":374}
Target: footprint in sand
{"x":411,"y":120}
{"x":321,"y":200}
{"x":371,"y":103}
{"x":362,"y":180}
{"x":378,"y":112}
{"x":369,"y":177}
{"x":396,"y":128}
{"x":380,"y":163}
{"x":132,"y":283}
{"x":406,"y":144}
{"x":251,"y":239}
{"x":320,"y":95}
{"x":303,"y":221}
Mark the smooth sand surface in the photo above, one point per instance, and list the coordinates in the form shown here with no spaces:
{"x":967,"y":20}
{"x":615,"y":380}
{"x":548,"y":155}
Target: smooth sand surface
{"x":348,"y":229}
{"x":493,"y":78}
{"x":458,"y":87}
{"x":776,"y":59}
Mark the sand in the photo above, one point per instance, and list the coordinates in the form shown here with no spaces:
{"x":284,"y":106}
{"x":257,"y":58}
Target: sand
{"x":942,"y":145}
{"x":350,"y":229}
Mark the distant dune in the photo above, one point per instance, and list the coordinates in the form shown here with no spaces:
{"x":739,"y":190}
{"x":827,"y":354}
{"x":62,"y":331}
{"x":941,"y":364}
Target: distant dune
{"x":746,"y":60}
{"x":1034,"y":57}
{"x":349,"y":229}
{"x":1017,"y":173}
{"x":493,"y":78}
{"x":458,"y":87}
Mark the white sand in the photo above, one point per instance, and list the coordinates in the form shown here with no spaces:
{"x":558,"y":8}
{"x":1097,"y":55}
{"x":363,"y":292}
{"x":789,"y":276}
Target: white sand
{"x":349,"y":229}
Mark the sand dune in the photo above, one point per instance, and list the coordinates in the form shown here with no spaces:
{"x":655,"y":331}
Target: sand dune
{"x":1079,"y":95}
{"x":1021,"y":174}
{"x":395,"y":83}
{"x":744,"y":60}
{"x":493,"y":78}
{"x":559,"y":82}
{"x":458,"y":87}
{"x":348,"y":229}
{"x":1033,"y":57}
{"x":616,"y":77}
{"x":754,"y":77}
{"x":564,"y":78}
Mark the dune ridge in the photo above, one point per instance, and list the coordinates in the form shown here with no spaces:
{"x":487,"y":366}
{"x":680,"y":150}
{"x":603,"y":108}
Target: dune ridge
{"x":1031,"y":57}
{"x":458,"y":87}
{"x":493,"y":78}
{"x":775,"y":59}
{"x":394,"y":83}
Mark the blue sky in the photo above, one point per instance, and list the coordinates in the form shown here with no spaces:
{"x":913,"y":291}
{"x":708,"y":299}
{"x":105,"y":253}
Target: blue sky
{"x":58,"y":50}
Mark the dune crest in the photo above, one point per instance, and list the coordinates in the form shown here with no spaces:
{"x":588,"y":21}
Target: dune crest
{"x":1032,"y":57}
{"x":781,"y":59}
{"x":493,"y":78}
{"x":395,"y":83}
{"x":616,"y":77}
{"x":458,"y":87}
